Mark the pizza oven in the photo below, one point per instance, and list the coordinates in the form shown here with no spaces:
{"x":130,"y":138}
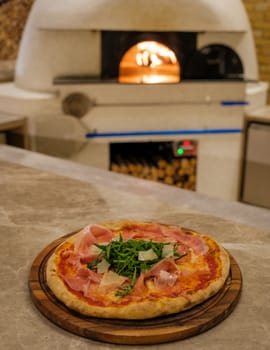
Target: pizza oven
{"x":158,"y":85}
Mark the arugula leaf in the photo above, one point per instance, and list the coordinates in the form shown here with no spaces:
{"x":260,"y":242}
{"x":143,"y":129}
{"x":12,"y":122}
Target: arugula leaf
{"x":127,"y":289}
{"x":123,"y":258}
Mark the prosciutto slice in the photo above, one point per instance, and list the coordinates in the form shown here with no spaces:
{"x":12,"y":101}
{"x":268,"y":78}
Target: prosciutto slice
{"x":194,"y":242}
{"x":147,"y":231}
{"x":139,"y":286}
{"x":83,"y":280}
{"x":89,"y":235}
{"x":166,"y":279}
{"x":72,"y":259}
{"x":168,"y":265}
{"x":165,"y":273}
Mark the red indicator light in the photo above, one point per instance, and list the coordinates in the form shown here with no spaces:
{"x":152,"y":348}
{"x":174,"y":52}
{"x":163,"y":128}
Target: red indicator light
{"x":186,"y":143}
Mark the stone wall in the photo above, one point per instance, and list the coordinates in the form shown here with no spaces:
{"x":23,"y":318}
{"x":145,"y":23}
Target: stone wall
{"x":13,"y":14}
{"x":259,"y":14}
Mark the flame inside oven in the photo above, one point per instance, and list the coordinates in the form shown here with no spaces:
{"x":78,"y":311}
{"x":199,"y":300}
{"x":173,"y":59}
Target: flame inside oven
{"x":149,"y":62}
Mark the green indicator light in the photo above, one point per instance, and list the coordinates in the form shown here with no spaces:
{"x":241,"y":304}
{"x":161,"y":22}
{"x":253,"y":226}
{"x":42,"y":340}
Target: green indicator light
{"x":180,"y":151}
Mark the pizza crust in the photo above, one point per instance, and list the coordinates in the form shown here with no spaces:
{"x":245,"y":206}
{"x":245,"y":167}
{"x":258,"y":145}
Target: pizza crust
{"x":143,"y":309}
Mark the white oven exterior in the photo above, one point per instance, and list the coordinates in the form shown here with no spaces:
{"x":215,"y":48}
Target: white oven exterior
{"x":199,"y":108}
{"x":65,"y":39}
{"x":195,"y":107}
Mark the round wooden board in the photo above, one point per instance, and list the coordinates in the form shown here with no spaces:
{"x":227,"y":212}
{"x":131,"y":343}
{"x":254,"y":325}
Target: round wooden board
{"x":153,"y":331}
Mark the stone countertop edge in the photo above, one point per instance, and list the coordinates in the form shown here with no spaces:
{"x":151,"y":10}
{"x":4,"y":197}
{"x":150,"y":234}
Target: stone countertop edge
{"x":188,"y":200}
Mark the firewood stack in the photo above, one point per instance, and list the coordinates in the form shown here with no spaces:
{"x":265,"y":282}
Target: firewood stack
{"x":180,"y":172}
{"x":13,"y":15}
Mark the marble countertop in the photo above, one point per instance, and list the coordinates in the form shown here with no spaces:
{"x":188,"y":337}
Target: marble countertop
{"x":43,"y":198}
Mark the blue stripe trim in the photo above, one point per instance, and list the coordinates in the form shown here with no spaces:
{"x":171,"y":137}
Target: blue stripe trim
{"x":234,"y":103}
{"x":163,"y":132}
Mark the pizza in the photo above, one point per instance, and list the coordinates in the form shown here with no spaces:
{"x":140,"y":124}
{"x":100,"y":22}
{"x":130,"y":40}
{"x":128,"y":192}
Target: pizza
{"x":136,"y":270}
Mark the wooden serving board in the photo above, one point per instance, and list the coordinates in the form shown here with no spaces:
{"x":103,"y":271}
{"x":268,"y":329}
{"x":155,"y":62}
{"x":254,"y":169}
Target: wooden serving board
{"x":153,"y":331}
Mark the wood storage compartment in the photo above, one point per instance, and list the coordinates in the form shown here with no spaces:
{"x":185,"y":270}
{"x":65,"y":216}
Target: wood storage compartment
{"x":172,"y":163}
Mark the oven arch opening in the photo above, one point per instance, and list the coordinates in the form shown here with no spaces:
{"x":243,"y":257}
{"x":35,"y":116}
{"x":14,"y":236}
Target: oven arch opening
{"x":149,"y":62}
